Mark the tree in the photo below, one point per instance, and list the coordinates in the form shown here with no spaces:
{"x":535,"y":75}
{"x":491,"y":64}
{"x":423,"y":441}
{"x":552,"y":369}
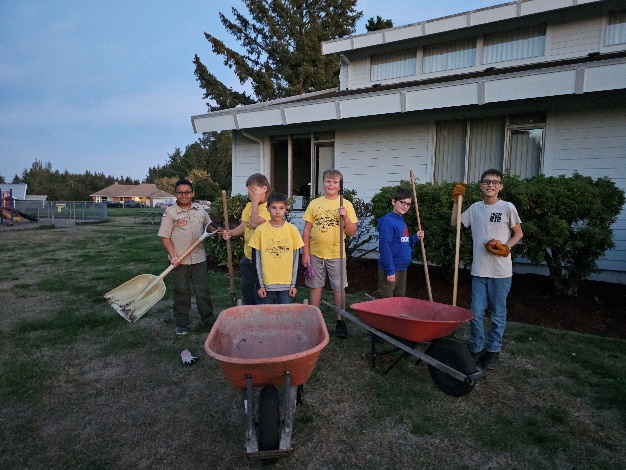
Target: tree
{"x":2,"y":179}
{"x":378,"y":24}
{"x":282,"y":57}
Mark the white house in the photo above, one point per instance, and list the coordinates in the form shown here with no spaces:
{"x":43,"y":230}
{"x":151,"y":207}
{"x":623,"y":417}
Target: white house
{"x":529,"y":87}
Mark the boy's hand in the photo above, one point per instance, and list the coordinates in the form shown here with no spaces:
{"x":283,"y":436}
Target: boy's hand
{"x":292,"y":291}
{"x":459,"y":190}
{"x":256,"y":194}
{"x":262,"y":293}
{"x":391,"y":279}
{"x":225,"y":234}
{"x":498,"y":248}
{"x":306,"y":260}
{"x":420,"y":234}
{"x":342,"y":211}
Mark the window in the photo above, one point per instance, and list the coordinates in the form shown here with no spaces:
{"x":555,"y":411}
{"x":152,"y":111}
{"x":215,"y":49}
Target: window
{"x":525,"y":144}
{"x":393,"y":65}
{"x":449,"y":55}
{"x":466,"y":148}
{"x":616,"y":29}
{"x":514,"y":44}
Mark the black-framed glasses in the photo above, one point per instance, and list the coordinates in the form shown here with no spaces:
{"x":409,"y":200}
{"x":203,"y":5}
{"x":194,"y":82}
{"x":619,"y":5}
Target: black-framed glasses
{"x":491,"y":182}
{"x":404,"y":203}
{"x":184,"y":193}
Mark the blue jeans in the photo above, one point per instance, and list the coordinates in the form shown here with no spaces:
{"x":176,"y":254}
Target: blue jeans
{"x":487,"y":291}
{"x":249,"y":282}
{"x":277,"y":297}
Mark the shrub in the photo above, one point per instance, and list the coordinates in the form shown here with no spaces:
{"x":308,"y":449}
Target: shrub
{"x":216,"y":247}
{"x":566,"y":222}
{"x":356,"y":245}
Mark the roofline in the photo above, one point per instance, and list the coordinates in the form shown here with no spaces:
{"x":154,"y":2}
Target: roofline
{"x":445,"y":24}
{"x":332,"y":104}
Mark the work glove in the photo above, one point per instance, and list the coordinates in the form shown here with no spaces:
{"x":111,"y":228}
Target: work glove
{"x":498,"y":249}
{"x":459,"y":190}
{"x":187,"y":358}
{"x":310,"y":272}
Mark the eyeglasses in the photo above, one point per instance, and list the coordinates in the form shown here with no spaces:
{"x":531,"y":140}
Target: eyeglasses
{"x":404,"y":204}
{"x":184,"y":193}
{"x":491,"y":182}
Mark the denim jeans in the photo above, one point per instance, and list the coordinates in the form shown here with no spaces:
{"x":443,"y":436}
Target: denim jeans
{"x":488,"y":292}
{"x":277,"y":297}
{"x":249,"y":282}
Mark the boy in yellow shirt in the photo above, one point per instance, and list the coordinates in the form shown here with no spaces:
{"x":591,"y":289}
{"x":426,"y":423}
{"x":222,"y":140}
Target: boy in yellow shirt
{"x":276,"y":245}
{"x":322,"y":244}
{"x":254,"y":214}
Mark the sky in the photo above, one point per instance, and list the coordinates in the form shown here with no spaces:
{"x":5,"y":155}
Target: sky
{"x":108,"y":86}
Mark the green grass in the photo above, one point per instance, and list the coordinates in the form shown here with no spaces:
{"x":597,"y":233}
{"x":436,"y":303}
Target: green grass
{"x":82,"y":388}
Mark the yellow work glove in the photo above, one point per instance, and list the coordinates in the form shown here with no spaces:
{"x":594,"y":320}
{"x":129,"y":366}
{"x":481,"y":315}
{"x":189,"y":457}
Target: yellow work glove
{"x":459,"y":190}
{"x":498,"y":248}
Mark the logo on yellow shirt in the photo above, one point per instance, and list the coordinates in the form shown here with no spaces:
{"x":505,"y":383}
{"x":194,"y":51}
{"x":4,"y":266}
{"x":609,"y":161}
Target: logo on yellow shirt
{"x":276,"y":248}
{"x":327,"y":220}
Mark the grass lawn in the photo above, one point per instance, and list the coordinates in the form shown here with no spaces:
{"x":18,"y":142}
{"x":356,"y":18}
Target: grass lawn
{"x":82,"y":388}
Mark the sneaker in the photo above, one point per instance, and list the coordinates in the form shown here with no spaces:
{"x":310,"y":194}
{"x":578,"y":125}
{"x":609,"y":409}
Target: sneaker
{"x":490,"y":361}
{"x":477,"y":355}
{"x":341,"y":330}
{"x":182,"y":330}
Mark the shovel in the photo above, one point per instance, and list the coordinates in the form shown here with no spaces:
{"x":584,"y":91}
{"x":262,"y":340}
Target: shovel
{"x":135,"y":297}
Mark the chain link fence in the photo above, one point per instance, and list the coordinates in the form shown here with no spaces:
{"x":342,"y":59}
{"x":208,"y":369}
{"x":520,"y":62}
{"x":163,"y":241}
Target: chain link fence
{"x":63,"y":213}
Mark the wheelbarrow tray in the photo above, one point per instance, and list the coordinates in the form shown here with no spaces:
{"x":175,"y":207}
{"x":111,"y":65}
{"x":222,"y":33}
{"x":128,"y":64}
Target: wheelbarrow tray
{"x":412,"y":319}
{"x":265,"y":341}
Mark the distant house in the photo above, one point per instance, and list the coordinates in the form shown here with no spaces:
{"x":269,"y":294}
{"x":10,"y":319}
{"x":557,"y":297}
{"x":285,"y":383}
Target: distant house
{"x":146,"y":193}
{"x":529,"y":87}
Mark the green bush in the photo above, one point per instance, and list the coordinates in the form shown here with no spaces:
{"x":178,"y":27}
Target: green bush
{"x":356,"y":244}
{"x":566,"y":223}
{"x":215,"y":246}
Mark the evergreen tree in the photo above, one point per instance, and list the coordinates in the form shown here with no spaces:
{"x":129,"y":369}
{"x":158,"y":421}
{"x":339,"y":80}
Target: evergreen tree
{"x":378,"y":24}
{"x":283,"y":57}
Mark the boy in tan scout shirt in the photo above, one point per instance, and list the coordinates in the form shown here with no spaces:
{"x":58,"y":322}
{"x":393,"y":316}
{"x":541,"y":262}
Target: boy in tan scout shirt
{"x":183,"y":223}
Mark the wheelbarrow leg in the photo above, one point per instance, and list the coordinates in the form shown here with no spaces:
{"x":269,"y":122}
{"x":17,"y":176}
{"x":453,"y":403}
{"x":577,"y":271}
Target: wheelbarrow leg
{"x":252,"y":444}
{"x":291,"y":394}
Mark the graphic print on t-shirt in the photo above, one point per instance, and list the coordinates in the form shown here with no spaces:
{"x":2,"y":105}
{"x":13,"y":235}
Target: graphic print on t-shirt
{"x":405,"y":235}
{"x":495,"y":217}
{"x":276,"y":247}
{"x":327,"y":220}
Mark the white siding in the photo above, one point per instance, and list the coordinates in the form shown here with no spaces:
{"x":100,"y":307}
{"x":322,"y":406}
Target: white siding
{"x":372,"y":156}
{"x":573,"y":39}
{"x":593,"y":143}
{"x":246,"y":161}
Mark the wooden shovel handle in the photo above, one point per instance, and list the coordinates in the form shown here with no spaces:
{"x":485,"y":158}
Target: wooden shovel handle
{"x":458,"y":248}
{"x":342,"y":262}
{"x":419,"y":227}
{"x":229,"y":251}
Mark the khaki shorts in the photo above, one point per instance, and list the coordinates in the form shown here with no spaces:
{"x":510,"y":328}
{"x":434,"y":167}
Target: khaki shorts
{"x":322,"y":267}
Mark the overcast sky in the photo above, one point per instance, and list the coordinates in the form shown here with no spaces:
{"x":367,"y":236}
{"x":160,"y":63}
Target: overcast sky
{"x":109,"y":86}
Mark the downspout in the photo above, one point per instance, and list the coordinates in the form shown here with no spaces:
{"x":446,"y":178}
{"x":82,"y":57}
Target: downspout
{"x":261,"y":149}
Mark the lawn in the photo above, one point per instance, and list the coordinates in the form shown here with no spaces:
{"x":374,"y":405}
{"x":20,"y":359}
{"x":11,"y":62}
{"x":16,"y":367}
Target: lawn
{"x":82,"y":388}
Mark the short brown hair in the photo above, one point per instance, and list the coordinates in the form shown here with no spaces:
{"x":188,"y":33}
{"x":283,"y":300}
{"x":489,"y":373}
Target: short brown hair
{"x":258,"y":179}
{"x":332,"y":173}
{"x":402,"y":193}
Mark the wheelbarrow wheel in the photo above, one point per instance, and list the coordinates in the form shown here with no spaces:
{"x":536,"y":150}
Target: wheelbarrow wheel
{"x":456,"y":355}
{"x":269,"y":421}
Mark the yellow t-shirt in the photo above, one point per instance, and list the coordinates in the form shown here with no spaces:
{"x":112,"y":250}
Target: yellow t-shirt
{"x":248,"y":231}
{"x":276,"y":246}
{"x":324,"y":215}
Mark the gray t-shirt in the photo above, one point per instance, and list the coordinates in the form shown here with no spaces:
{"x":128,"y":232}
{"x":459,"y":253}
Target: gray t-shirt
{"x":487,"y":222}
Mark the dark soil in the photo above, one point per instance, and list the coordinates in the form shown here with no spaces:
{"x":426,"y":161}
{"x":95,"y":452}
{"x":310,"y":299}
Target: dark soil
{"x":599,"y":308}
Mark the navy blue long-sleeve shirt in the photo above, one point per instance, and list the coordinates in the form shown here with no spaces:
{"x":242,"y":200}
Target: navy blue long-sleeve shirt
{"x":394,"y":243}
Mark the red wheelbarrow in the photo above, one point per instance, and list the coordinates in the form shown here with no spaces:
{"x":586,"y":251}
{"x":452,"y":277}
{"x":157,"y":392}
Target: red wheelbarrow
{"x":268,"y":346}
{"x":404,"y":322}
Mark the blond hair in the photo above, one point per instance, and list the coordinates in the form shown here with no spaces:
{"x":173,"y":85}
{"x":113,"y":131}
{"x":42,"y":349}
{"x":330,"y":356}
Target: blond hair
{"x":332,"y":173}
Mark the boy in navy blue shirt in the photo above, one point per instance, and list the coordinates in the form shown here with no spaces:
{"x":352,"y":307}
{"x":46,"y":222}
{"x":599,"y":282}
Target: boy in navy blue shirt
{"x":394,"y":245}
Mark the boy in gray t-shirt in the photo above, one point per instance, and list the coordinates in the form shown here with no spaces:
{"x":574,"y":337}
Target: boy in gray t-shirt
{"x":496,"y":228}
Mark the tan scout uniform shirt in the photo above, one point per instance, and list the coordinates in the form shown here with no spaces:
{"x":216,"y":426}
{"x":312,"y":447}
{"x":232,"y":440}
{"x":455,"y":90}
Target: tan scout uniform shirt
{"x":184,"y":227}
